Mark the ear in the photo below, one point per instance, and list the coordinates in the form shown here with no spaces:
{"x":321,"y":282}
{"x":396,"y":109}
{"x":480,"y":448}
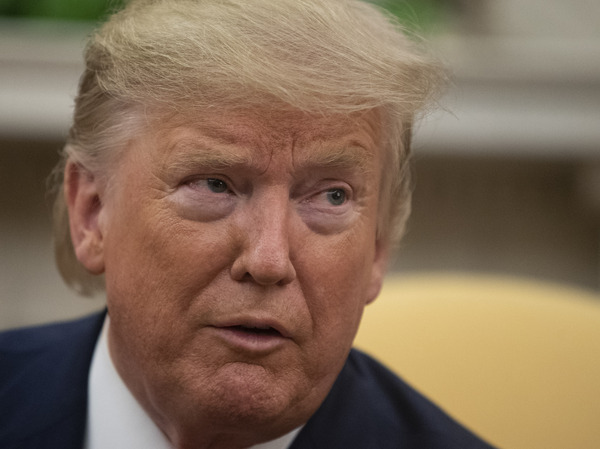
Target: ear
{"x":83,"y":201}
{"x":380,"y":261}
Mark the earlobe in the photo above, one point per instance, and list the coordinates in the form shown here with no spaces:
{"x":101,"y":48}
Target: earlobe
{"x":378,"y":270}
{"x":82,"y":194}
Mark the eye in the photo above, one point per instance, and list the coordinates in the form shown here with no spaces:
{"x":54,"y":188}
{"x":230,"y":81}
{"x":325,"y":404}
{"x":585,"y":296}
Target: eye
{"x":336,"y":197}
{"x":216,"y":185}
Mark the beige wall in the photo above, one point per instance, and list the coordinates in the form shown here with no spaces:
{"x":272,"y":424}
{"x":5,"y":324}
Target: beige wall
{"x":31,"y":290}
{"x":511,"y":215}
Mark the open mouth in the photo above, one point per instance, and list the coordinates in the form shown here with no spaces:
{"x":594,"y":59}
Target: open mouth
{"x":253,"y":337}
{"x":267,"y":331}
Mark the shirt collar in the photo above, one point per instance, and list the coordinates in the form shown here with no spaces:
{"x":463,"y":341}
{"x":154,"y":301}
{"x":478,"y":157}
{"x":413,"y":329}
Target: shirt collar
{"x":113,"y":411}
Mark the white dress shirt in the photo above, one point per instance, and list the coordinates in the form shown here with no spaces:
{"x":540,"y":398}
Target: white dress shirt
{"x":116,"y":420}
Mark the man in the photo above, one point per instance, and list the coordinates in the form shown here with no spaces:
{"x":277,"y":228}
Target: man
{"x":237,"y":172}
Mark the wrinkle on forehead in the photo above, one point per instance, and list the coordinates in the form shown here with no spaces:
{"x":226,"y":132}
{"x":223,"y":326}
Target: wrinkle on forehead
{"x":344,"y":142}
{"x":232,"y":139}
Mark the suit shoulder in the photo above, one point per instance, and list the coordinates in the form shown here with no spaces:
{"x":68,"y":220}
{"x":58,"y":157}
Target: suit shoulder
{"x":43,"y":375}
{"x":370,"y":406}
{"x":396,"y":402}
{"x":37,"y":338}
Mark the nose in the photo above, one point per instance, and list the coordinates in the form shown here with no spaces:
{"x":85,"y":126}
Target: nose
{"x":264,"y":229}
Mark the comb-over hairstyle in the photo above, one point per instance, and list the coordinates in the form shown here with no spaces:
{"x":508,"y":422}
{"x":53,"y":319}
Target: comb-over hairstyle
{"x":319,"y":56}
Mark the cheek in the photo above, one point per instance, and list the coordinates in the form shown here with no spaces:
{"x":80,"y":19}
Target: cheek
{"x":337,"y":293}
{"x":153,"y":285}
{"x":156,"y":265}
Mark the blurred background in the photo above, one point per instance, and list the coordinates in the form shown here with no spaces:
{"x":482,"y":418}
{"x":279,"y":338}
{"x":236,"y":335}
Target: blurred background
{"x":507,"y":175}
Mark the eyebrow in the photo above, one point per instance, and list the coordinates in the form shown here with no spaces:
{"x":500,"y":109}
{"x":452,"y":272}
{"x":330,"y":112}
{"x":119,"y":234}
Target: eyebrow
{"x":193,"y":153}
{"x":350,"y":155}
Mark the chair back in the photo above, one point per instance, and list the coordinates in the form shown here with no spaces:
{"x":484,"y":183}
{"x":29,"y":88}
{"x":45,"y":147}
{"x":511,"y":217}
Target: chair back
{"x":516,"y":361}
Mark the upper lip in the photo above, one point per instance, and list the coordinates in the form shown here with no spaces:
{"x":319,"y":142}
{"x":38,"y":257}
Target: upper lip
{"x":255,"y":322}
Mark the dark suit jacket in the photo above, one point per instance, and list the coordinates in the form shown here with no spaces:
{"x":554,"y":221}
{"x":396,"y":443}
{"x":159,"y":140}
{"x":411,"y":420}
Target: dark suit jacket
{"x":43,"y":399}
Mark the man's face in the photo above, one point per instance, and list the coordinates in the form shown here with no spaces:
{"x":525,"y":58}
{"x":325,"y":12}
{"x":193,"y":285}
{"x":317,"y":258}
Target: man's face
{"x":239,"y":252}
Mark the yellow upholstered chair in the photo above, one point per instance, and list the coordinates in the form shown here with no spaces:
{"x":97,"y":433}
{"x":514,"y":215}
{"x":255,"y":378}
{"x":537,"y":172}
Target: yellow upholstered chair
{"x":517,"y":361}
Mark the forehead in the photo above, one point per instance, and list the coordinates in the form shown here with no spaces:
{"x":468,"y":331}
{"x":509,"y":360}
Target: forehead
{"x":245,"y":137}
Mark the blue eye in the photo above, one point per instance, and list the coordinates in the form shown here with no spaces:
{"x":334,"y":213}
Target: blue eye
{"x":216,"y":185}
{"x":337,"y":197}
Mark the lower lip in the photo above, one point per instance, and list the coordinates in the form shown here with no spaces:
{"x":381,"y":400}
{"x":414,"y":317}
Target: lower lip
{"x":259,"y":343}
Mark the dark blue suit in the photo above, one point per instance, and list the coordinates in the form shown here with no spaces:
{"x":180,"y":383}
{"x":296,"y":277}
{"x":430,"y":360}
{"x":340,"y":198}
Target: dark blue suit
{"x":43,"y":399}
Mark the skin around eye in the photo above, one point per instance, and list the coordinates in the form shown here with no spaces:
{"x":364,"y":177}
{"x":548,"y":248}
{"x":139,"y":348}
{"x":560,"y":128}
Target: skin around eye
{"x":204,"y":199}
{"x":329,"y":211}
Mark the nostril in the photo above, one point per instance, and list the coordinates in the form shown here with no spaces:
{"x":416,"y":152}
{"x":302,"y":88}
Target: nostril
{"x":263,"y":263}
{"x":246,"y":277}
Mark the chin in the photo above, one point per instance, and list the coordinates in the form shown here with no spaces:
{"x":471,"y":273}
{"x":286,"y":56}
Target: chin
{"x":246,"y":395}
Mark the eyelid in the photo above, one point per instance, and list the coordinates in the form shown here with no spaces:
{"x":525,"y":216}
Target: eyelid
{"x":323,"y":188}
{"x":347,"y":189}
{"x":200,"y":182}
{"x":196,"y":178}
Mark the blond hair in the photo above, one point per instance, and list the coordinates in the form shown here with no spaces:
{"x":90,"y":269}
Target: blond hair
{"x":318,"y":56}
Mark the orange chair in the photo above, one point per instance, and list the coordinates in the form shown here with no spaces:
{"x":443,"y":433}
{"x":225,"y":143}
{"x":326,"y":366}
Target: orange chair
{"x":516,"y":361}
